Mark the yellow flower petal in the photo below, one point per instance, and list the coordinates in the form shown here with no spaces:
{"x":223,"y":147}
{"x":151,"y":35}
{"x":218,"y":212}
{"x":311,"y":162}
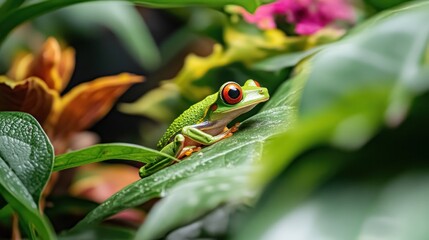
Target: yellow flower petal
{"x":46,"y":64}
{"x":66,"y":66}
{"x":31,"y":95}
{"x":157,"y":103}
{"x":87,"y":103}
{"x":53,"y":65}
{"x":21,"y":67}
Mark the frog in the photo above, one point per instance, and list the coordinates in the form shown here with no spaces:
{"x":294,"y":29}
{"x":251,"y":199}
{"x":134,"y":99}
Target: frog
{"x":206,"y":123}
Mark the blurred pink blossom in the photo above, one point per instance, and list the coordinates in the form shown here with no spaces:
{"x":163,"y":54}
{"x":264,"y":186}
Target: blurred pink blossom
{"x":309,"y":16}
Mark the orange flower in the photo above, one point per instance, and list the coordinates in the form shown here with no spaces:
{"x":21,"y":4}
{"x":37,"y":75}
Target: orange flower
{"x":34,"y":84}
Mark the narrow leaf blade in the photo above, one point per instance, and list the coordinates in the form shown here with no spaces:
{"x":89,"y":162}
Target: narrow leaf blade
{"x":102,"y":152}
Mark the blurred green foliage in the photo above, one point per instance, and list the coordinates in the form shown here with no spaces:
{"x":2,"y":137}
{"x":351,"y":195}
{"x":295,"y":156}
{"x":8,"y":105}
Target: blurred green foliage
{"x":338,"y":152}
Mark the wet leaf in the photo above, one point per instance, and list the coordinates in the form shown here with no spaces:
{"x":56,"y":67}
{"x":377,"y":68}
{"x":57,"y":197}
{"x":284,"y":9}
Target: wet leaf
{"x":213,"y":225}
{"x":197,"y":195}
{"x":26,"y":159}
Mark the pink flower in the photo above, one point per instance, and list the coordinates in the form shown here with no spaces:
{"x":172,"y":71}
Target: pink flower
{"x":309,"y":16}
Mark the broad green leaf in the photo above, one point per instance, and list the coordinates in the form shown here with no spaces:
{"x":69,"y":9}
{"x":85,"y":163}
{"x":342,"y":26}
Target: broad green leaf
{"x":381,"y":5}
{"x":296,"y":182}
{"x":396,"y":210}
{"x":385,"y":14}
{"x":348,"y":124}
{"x":356,"y":84}
{"x":213,"y":225}
{"x":26,"y":159}
{"x":369,"y":59}
{"x":26,"y":150}
{"x":108,"y":151}
{"x":18,"y":16}
{"x":197,"y":195}
{"x":370,"y":188}
{"x":242,"y":149}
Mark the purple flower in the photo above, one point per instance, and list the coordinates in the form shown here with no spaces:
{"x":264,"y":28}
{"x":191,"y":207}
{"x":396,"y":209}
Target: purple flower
{"x":309,"y":16}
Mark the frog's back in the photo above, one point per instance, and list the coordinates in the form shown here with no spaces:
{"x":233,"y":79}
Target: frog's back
{"x":192,"y":115}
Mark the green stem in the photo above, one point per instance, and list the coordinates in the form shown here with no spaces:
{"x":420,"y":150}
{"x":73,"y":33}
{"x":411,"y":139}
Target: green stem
{"x":14,"y":17}
{"x":9,"y":5}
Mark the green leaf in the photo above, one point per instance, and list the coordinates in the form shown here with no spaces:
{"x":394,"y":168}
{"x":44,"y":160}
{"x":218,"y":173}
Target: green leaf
{"x":26,"y":159}
{"x":356,"y":84}
{"x":250,"y":5}
{"x":8,"y":5}
{"x":18,"y":16}
{"x":393,"y":210}
{"x":102,"y":152}
{"x":381,"y":5}
{"x":365,"y":60}
{"x":282,"y":61}
{"x":370,"y":188}
{"x":213,"y":225}
{"x":242,"y":149}
{"x":26,"y":150}
{"x":197,"y":195}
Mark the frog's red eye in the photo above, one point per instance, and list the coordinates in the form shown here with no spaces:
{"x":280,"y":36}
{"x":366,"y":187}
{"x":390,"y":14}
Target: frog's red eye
{"x":231,"y":93}
{"x":257,"y":83}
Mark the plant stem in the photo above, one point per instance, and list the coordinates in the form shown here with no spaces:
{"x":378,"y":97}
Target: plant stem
{"x":10,"y":5}
{"x":16,"y":16}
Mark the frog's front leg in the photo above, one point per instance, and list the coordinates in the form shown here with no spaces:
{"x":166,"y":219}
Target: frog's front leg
{"x":179,"y":149}
{"x":172,"y":149}
{"x":196,"y":133}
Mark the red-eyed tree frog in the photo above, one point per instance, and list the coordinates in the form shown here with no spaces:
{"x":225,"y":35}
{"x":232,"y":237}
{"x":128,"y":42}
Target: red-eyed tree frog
{"x":205,"y":122}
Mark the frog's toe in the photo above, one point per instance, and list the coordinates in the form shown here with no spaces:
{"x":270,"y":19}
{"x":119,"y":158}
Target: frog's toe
{"x":235,"y":127}
{"x":179,"y":138}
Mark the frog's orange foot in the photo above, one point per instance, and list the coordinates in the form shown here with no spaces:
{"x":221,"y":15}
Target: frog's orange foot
{"x":235,"y":127}
{"x":188,"y":151}
{"x":228,"y":135}
{"x":192,"y":150}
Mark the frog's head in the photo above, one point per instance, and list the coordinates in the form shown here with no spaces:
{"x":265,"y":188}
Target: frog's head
{"x":234,"y":100}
